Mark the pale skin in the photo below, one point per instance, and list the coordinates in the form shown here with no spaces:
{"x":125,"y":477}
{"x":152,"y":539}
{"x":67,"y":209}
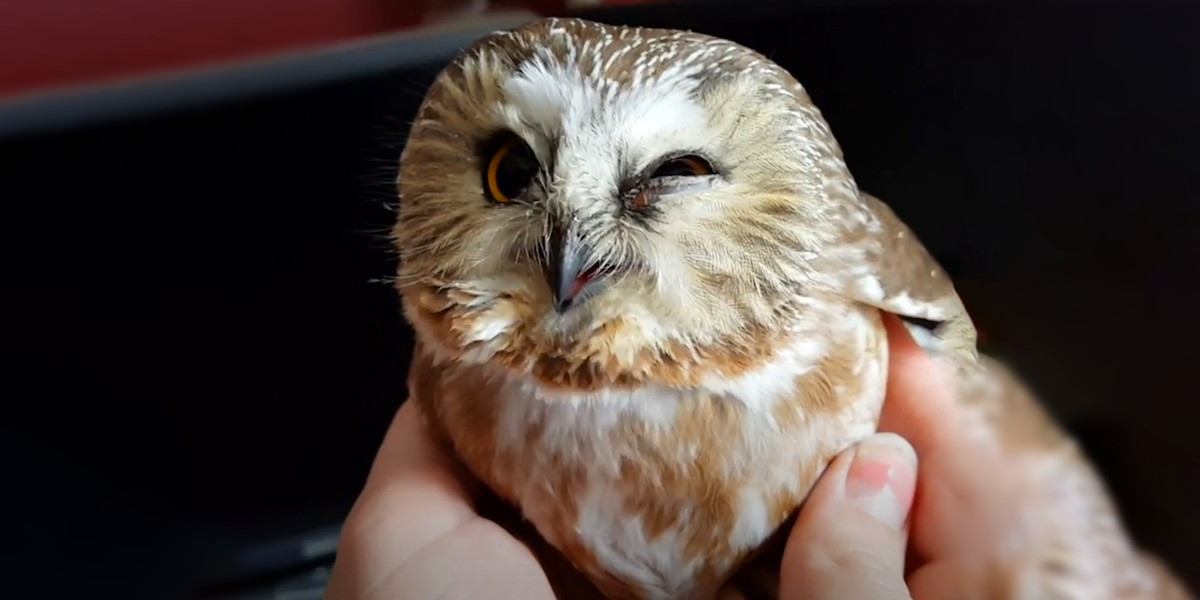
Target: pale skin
{"x":415,"y":532}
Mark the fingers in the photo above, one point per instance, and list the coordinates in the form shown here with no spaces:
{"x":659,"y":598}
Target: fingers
{"x":408,"y":451}
{"x":849,"y":539}
{"x":920,"y":402}
{"x":964,"y":505}
{"x":413,"y":486}
{"x":412,"y":499}
{"x":947,"y":580}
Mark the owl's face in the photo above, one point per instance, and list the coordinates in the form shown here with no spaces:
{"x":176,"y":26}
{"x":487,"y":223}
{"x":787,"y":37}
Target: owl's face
{"x":570,"y":174}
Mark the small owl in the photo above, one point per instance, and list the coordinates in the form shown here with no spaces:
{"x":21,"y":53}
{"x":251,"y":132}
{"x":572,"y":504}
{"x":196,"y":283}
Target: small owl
{"x":648,"y":299}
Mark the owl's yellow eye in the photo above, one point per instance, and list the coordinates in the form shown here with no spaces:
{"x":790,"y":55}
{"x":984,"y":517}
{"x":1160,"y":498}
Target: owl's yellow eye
{"x":684,"y":166}
{"x":510,"y":170}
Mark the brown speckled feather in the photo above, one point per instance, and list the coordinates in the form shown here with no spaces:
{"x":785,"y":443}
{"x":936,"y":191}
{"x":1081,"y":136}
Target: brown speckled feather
{"x":658,"y":429}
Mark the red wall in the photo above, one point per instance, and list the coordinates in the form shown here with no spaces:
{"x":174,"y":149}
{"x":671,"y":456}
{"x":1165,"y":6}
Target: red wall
{"x":47,"y":43}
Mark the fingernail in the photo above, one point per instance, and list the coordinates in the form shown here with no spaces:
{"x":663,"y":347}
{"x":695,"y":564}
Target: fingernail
{"x":882,"y":478}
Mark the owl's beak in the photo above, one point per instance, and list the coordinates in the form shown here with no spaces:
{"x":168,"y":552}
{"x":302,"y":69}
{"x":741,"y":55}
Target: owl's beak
{"x":565,"y":268}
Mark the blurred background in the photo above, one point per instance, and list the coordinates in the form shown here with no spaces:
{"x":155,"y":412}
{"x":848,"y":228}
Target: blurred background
{"x":205,"y":351}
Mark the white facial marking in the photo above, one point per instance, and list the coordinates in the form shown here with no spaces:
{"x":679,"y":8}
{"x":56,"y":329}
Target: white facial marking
{"x":599,"y":128}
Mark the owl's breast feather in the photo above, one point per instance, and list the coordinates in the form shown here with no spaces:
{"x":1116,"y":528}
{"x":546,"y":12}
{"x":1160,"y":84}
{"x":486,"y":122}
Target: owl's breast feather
{"x":659,"y":492}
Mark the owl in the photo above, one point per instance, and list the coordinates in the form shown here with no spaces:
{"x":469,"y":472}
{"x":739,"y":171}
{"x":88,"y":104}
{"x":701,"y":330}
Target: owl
{"x":648,"y":297}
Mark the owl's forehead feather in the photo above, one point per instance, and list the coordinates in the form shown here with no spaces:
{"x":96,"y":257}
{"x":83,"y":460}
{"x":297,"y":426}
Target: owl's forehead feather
{"x":628,"y":57}
{"x":557,"y":102}
{"x":615,"y":88}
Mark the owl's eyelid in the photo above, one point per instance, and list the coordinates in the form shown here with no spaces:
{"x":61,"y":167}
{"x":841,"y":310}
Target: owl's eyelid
{"x":685,"y":184}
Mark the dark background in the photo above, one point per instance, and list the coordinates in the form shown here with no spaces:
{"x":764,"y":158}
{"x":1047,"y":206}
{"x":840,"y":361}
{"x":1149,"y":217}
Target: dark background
{"x":204,"y":358}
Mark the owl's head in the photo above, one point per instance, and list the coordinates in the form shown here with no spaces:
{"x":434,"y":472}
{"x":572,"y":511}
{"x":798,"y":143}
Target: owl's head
{"x":601,"y":193}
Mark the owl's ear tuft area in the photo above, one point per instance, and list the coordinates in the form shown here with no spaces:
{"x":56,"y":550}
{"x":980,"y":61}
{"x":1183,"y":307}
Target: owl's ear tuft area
{"x":901,"y":277}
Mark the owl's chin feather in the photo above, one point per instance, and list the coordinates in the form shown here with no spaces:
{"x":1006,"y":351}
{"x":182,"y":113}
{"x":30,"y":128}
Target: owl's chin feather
{"x":617,"y":340}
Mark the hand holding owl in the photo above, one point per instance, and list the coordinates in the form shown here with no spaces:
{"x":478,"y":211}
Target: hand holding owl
{"x":963,"y":506}
{"x":416,"y":530}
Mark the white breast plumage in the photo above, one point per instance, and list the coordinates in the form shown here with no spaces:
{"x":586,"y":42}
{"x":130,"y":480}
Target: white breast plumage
{"x":747,"y":455}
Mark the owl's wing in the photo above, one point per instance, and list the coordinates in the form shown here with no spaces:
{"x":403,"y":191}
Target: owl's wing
{"x":901,"y":277}
{"x":1083,"y":551}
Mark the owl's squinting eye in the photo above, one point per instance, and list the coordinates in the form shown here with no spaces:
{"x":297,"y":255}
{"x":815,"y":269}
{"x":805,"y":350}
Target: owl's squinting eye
{"x":666,"y":178}
{"x":683,"y":166}
{"x":510,"y":169}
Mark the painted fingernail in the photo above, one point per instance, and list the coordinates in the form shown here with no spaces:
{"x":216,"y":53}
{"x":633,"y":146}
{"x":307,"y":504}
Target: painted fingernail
{"x":882,"y":478}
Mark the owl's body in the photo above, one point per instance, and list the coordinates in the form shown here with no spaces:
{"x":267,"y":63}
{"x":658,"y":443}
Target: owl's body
{"x":660,"y":492}
{"x":648,"y":293}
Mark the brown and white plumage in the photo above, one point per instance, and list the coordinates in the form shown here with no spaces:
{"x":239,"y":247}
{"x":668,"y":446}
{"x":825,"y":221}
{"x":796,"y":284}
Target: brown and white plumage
{"x":655,"y":368}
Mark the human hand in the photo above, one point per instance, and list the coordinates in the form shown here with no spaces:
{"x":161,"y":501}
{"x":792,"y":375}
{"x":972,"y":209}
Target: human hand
{"x":856,"y":536}
{"x":416,"y":532}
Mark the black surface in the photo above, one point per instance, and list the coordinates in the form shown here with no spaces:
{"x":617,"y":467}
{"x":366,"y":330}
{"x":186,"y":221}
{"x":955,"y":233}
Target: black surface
{"x":202,"y":359}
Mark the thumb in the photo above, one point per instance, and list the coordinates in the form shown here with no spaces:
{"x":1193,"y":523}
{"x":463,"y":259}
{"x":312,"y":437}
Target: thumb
{"x":849,"y":539}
